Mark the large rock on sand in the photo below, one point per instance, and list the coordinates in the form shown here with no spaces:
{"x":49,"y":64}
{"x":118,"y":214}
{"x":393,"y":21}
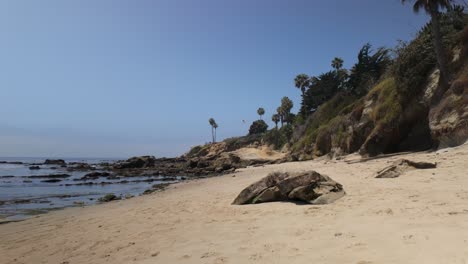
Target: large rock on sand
{"x":310,"y":187}
{"x":401,"y":166}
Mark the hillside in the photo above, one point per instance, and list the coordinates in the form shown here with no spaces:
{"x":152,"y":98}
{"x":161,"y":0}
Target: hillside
{"x":391,"y":100}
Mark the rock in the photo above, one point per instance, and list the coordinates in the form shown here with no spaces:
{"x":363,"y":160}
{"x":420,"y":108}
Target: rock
{"x":136,"y":162}
{"x":193,"y":163}
{"x":389,"y":172}
{"x":51,"y":176}
{"x":52,"y":180}
{"x":448,"y":120}
{"x":203,"y":164}
{"x":34,"y":168}
{"x":95,"y":175}
{"x":401,"y":166}
{"x":269,"y":194}
{"x":11,"y":162}
{"x":80,"y":166}
{"x":310,"y":187}
{"x":108,"y":197}
{"x":54,"y":162}
{"x":249,"y":193}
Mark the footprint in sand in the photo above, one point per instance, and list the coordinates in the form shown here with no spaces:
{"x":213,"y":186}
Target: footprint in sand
{"x":256,"y":256}
{"x":209,"y":254}
{"x":220,"y":260}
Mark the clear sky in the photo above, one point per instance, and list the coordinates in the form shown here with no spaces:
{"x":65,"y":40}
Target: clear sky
{"x":116,"y":78}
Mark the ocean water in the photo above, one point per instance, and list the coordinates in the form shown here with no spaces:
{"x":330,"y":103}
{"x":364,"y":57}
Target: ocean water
{"x":22,"y":196}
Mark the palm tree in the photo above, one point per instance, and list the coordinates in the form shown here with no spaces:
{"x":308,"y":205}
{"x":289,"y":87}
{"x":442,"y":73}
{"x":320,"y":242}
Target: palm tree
{"x":337,"y":63}
{"x":260,"y":112}
{"x":280,"y":113}
{"x":433,"y":7}
{"x":214,"y":126}
{"x":302,"y":82}
{"x":275,"y":118}
{"x":286,"y":106}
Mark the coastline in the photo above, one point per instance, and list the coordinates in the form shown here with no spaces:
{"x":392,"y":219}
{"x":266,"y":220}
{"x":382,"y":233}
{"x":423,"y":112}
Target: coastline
{"x":420,"y":217}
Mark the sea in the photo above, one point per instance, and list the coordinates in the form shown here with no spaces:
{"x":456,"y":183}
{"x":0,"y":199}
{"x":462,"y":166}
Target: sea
{"x":23,"y":196}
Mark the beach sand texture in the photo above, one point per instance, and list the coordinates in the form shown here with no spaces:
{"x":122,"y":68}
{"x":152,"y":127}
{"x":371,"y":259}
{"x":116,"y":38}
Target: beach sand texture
{"x":420,"y":217}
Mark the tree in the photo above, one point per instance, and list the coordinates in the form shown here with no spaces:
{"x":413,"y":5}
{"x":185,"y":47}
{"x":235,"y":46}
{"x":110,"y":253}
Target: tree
{"x":302,"y":82}
{"x":433,"y":7}
{"x":369,"y":68}
{"x":214,"y":126}
{"x":279,"y":112}
{"x":261,"y":112}
{"x":275,"y":118}
{"x":258,"y":127}
{"x":285,"y":110}
{"x":337,"y":63}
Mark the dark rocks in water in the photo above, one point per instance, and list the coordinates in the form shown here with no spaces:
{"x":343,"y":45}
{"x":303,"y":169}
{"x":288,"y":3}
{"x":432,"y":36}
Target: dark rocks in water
{"x":94,"y":175}
{"x":51,"y":176}
{"x":80,"y":166}
{"x":401,"y":166}
{"x":34,"y":168}
{"x":51,"y":180}
{"x":11,"y":162}
{"x":55,"y":162}
{"x":27,"y":181}
{"x":7,"y":176}
{"x":136,"y":162}
{"x":109,"y":197}
{"x":310,"y":187}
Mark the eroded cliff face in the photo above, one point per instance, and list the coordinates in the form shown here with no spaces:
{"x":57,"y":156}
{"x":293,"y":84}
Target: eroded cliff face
{"x":448,"y":119}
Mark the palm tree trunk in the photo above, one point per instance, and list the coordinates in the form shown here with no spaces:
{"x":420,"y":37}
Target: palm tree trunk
{"x":441,"y":58}
{"x":215,"y":135}
{"x":212,"y":134}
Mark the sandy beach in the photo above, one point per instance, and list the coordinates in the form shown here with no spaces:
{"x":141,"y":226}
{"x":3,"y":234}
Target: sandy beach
{"x":420,"y":217}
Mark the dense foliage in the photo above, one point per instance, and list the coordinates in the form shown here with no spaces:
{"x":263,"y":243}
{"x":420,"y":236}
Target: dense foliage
{"x":258,"y":127}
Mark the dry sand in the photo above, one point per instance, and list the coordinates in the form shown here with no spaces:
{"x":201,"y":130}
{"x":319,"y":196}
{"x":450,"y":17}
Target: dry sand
{"x":420,"y":217}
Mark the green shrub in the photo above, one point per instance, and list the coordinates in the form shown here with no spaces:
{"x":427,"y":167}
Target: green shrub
{"x":258,"y":127}
{"x":278,"y":137}
{"x":388,"y":105}
{"x":340,"y":104}
{"x":198,"y":151}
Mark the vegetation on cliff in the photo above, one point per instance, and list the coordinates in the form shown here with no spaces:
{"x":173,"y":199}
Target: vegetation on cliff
{"x":392,"y":99}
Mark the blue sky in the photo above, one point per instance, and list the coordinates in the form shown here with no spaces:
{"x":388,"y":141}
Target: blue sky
{"x":115,"y":78}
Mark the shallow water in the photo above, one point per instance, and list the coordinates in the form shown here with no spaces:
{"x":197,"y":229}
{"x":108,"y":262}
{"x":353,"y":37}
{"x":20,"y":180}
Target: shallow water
{"x":22,"y":196}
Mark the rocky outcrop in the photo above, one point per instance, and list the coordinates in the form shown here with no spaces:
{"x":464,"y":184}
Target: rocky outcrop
{"x":54,"y":162}
{"x":401,"y":166}
{"x":136,"y":163}
{"x":80,"y":166}
{"x":448,"y":120}
{"x":95,"y":175}
{"x":49,"y":176}
{"x":310,"y":187}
